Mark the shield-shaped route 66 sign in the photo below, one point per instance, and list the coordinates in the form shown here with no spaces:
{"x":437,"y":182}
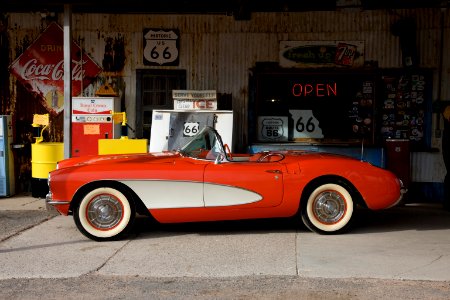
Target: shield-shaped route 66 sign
{"x":273,"y":128}
{"x":161,"y":47}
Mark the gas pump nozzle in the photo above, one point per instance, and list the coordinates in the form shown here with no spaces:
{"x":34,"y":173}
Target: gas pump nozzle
{"x":38,"y":121}
{"x":122,"y":117}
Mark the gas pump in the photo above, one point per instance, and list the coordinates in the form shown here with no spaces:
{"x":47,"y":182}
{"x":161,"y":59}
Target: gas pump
{"x":92,"y":120}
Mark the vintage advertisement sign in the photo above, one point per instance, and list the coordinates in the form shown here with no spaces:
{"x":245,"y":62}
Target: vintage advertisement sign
{"x":306,"y":125}
{"x":41,"y":68}
{"x":313,"y":54}
{"x":97,"y":105}
{"x":161,"y":47}
{"x":195,"y":99}
{"x":273,"y":129}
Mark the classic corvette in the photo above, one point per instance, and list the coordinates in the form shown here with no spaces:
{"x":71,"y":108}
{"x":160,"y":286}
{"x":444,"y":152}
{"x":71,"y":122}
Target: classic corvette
{"x":204,"y":181}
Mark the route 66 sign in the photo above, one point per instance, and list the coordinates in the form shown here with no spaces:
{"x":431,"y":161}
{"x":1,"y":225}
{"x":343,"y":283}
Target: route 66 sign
{"x":191,"y":129}
{"x":161,"y":47}
{"x":272,"y":128}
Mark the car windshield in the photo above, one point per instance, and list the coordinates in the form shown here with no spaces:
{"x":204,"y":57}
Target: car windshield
{"x":207,"y":144}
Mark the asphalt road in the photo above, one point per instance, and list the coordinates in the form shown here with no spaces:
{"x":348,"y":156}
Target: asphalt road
{"x":402,"y":253}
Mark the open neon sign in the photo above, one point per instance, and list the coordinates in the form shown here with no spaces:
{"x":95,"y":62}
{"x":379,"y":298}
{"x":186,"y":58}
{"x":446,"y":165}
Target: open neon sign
{"x":314,"y":89}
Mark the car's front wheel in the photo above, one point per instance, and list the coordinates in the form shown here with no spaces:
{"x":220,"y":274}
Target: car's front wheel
{"x":328,"y":209}
{"x":104,"y":213}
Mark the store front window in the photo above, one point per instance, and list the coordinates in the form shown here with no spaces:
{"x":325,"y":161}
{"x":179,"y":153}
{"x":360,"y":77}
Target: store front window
{"x":332,"y":107}
{"x":315,"y":107}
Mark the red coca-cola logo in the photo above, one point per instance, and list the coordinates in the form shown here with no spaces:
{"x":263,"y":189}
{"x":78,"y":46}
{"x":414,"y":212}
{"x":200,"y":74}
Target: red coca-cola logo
{"x":41,"y":68}
{"x":32,"y":70}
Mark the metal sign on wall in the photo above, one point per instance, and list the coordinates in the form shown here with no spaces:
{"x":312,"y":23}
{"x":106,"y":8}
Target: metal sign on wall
{"x":40,"y":68}
{"x":194,"y":99}
{"x":313,"y":54}
{"x":161,"y":47}
{"x":273,"y":129}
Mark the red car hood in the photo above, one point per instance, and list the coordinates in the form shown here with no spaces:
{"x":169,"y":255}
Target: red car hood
{"x":117,"y":158}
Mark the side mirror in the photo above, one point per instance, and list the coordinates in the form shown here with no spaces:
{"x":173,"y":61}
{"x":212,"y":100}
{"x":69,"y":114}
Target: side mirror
{"x":219,"y":158}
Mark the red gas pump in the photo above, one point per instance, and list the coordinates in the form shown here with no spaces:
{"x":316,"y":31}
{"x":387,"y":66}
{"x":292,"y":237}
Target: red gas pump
{"x":92,"y":119}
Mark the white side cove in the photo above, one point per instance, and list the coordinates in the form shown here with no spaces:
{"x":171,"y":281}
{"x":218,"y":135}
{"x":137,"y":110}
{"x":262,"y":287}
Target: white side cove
{"x":184,"y":194}
{"x":225,"y":195}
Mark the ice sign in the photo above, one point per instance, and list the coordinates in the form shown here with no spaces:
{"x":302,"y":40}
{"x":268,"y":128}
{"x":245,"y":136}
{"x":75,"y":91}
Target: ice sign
{"x":161,"y":47}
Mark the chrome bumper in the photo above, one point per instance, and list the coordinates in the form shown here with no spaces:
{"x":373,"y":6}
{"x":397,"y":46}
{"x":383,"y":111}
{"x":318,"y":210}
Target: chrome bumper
{"x":403,"y":191}
{"x":49,"y":200}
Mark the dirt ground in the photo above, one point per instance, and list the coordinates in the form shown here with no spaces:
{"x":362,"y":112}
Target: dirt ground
{"x":254,"y":287}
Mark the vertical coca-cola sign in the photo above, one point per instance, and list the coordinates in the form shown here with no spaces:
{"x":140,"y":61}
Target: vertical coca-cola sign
{"x":41,"y":68}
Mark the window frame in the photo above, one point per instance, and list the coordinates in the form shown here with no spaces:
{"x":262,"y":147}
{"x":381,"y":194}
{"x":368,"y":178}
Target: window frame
{"x":180,"y":76}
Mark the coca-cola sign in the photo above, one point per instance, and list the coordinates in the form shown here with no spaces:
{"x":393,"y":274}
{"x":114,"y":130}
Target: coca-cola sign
{"x":41,"y":68}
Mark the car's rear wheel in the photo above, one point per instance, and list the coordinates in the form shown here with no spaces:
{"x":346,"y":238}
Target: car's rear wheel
{"x":104,"y":213}
{"x":328,"y":209}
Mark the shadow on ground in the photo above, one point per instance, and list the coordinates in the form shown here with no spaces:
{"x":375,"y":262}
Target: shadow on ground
{"x":421,"y":217}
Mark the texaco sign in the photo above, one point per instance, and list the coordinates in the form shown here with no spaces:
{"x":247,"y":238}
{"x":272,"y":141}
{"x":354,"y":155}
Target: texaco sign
{"x":41,"y":68}
{"x":161,"y":47}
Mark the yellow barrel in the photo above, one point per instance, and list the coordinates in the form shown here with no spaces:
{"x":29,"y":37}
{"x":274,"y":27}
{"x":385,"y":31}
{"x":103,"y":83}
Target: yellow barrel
{"x":44,"y":157}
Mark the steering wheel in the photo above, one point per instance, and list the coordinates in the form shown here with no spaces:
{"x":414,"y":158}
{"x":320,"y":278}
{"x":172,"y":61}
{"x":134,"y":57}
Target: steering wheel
{"x":263,"y":157}
{"x":228,"y":151}
{"x":266,"y":157}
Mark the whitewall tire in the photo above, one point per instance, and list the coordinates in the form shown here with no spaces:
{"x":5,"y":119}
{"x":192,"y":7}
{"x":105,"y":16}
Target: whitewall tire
{"x":104,"y":213}
{"x":329,"y":209}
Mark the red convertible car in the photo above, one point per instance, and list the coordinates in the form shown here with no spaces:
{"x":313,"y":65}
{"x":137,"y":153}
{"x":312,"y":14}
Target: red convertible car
{"x":203,"y":181}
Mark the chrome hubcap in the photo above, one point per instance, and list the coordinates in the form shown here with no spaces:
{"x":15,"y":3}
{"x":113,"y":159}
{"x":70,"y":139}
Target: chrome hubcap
{"x":104,"y":211}
{"x":329,"y":207}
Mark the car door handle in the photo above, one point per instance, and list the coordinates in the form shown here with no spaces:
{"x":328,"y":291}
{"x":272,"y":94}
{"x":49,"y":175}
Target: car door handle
{"x":274,"y":171}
